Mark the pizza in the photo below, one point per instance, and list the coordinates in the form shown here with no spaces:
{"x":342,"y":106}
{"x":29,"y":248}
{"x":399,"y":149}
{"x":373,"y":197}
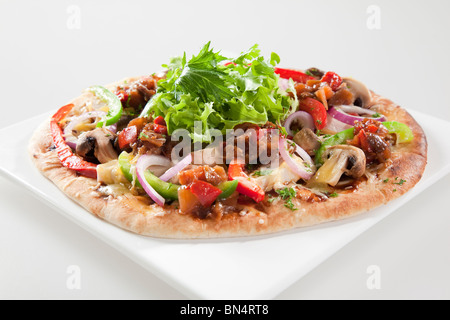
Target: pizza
{"x":215,"y":146}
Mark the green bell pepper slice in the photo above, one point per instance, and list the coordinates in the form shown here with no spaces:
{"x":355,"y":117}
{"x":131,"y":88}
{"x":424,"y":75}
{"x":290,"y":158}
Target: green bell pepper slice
{"x":403,"y":132}
{"x":227,"y":187}
{"x":113,"y":103}
{"x":338,"y":138}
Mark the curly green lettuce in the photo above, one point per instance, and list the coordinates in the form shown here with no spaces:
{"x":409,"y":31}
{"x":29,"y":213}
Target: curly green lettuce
{"x":220,"y":95}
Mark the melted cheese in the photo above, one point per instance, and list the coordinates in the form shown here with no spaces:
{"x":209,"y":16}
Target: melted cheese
{"x":110,"y":173}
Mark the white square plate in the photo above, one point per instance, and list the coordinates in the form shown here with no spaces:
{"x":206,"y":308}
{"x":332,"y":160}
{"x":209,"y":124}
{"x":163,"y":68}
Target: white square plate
{"x":239,"y":268}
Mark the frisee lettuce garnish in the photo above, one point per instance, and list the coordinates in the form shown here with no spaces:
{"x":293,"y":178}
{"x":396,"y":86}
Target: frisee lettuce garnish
{"x":220,"y":95}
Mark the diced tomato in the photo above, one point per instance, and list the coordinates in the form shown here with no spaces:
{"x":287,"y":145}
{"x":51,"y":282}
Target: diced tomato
{"x":316,"y":109}
{"x":245,"y":185}
{"x":295,"y":75}
{"x":333,"y":79}
{"x":160,"y":120}
{"x":372,"y":128}
{"x":362,"y":137}
{"x":127,"y":136}
{"x":205,"y":192}
{"x":122,"y":95}
{"x":160,"y":129}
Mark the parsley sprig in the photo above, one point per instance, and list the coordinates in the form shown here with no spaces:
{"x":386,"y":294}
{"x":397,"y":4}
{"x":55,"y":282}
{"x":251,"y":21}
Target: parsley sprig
{"x":287,"y":194}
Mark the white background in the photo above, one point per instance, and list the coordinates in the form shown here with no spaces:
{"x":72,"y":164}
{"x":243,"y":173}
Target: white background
{"x":49,"y":55}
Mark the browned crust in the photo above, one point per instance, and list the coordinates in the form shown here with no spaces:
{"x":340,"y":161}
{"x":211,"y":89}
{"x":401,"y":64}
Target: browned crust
{"x":128,"y":212}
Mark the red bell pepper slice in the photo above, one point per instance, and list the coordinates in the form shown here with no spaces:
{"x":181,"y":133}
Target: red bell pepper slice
{"x":316,"y":109}
{"x":65,"y":155}
{"x":333,"y":79}
{"x":296,"y":75}
{"x":245,"y":185}
{"x":127,"y":136}
{"x":205,"y":192}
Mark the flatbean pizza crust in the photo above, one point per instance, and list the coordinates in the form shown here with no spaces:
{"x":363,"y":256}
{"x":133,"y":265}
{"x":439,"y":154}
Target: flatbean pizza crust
{"x":133,"y":214}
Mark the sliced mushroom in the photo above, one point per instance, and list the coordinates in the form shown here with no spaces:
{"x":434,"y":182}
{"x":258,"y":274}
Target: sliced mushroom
{"x":339,"y":160}
{"x":307,"y":140}
{"x":98,"y":143}
{"x":361,"y":95}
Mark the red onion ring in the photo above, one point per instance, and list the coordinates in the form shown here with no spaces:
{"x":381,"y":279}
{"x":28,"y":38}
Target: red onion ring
{"x":112,"y":128}
{"x":72,"y":144}
{"x":177,"y":168}
{"x":334,"y":125}
{"x":340,"y":115}
{"x":303,"y":154}
{"x":304,"y":118}
{"x":283,"y":84}
{"x":142,"y":164}
{"x":356,"y":109}
{"x":291,"y":163}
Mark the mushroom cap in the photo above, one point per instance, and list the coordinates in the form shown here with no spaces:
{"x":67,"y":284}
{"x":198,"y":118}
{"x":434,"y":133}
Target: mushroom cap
{"x":355,"y":157}
{"x":307,"y":140}
{"x":359,"y":91}
{"x":97,"y":142}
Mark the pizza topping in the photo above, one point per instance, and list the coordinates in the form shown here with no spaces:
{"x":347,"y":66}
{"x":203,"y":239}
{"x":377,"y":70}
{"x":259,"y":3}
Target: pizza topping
{"x":401,"y":130}
{"x":127,"y":137}
{"x":372,"y":137}
{"x":205,"y":192}
{"x":314,"y":72}
{"x":339,"y":138}
{"x":287,"y":194}
{"x":342,"y":97}
{"x":97,"y":144}
{"x":169,"y":174}
{"x":361,"y":95}
{"x":189,"y":203}
{"x":147,"y":180}
{"x":316,"y":109}
{"x":153,"y":135}
{"x":136,"y":95}
{"x":199,"y":198}
{"x":246,"y":185}
{"x":110,"y":173}
{"x":307,"y":140}
{"x":219,"y":95}
{"x":297,"y":121}
{"x":333,"y":79}
{"x":339,"y":113}
{"x":112,"y":102}
{"x":304,"y":171}
{"x":339,"y":160}
{"x":65,"y":155}
{"x":86,"y":121}
{"x":206,"y":173}
{"x":295,"y":75}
